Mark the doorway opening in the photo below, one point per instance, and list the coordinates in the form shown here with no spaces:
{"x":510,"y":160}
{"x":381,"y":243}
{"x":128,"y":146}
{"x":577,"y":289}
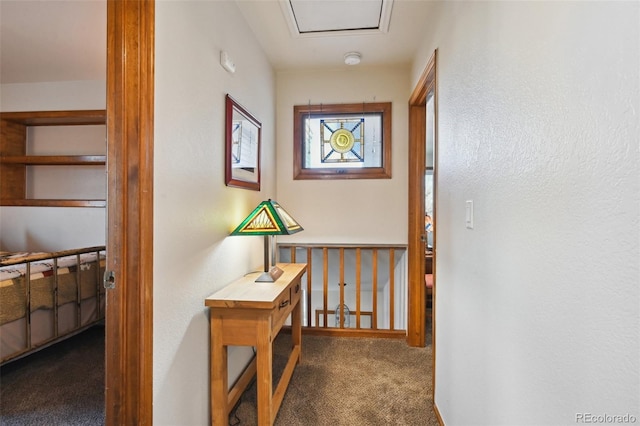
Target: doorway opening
{"x":422,"y":196}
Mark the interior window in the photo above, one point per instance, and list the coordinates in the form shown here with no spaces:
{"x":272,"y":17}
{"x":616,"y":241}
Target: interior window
{"x":345,"y":141}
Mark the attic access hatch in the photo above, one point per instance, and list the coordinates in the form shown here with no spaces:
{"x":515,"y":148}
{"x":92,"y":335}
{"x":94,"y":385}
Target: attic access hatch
{"x":336,"y":17}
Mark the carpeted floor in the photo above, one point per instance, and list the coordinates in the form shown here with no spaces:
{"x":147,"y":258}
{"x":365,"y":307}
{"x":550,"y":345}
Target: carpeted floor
{"x":59,"y":385}
{"x":340,"y":381}
{"x":350,"y":381}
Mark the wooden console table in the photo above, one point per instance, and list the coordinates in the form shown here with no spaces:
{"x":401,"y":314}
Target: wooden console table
{"x":246,"y":313}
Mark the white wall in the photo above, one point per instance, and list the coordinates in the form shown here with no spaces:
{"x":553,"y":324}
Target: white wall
{"x":194,"y":211}
{"x":54,"y":228}
{"x":538,"y":305}
{"x":347,"y":210}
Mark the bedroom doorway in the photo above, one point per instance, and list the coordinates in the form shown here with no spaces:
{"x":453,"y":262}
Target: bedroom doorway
{"x":422,"y":172}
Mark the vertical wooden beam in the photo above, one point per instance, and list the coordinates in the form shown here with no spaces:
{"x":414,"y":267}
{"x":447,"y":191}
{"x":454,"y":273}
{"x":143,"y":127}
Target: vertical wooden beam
{"x":129,"y":313}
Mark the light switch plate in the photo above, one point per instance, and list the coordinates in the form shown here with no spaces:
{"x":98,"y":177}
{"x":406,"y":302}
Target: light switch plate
{"x":469,"y":214}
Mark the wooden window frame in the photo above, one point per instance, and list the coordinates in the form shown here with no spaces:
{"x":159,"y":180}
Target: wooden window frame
{"x":300,"y":112}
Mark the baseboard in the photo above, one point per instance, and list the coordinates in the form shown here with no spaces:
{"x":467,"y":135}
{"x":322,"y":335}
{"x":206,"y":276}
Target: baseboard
{"x":437,"y":413}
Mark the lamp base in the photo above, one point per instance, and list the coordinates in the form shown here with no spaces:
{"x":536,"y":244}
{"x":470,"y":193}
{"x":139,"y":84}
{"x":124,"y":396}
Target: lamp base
{"x":271,"y":276}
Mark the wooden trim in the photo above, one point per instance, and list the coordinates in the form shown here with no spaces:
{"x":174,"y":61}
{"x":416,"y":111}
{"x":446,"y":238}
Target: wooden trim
{"x":57,"y":160}
{"x":129,"y":316}
{"x":332,"y":312}
{"x":417,"y":136}
{"x":29,"y":202}
{"x":436,"y":411}
{"x":425,"y":84}
{"x":53,"y":118}
{"x":348,"y":332}
{"x":346,"y":246}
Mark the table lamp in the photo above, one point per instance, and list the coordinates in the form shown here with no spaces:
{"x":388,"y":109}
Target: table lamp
{"x":268,"y":219}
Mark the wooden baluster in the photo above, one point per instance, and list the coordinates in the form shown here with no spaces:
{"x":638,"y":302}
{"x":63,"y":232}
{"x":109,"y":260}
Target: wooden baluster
{"x":309,"y":287}
{"x":374,"y":266}
{"x":325,"y":283}
{"x":341,"y":285}
{"x":392,"y":301}
{"x":358,"y":278}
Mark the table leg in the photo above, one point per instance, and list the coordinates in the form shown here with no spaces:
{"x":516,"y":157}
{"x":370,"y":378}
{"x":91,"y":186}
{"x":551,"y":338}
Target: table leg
{"x":219,"y":379}
{"x":296,"y":329}
{"x":264,"y":374}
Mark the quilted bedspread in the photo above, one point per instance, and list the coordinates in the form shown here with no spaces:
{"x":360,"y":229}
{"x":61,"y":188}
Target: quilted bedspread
{"x":13,"y":283}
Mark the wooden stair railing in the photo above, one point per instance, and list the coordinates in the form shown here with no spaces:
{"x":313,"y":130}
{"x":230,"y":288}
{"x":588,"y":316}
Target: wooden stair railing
{"x":373,"y":268}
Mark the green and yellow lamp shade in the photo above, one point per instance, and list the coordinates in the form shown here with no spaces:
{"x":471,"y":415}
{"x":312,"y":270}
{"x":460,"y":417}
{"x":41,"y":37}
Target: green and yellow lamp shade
{"x":268,"y":219}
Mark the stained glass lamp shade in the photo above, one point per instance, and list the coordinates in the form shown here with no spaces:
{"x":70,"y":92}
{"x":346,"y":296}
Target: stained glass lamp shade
{"x":268,"y":219}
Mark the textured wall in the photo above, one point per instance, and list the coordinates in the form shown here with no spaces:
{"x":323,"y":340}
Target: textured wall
{"x":538,"y":305}
{"x":194,"y":211}
{"x":346,"y":210}
{"x":57,"y":228}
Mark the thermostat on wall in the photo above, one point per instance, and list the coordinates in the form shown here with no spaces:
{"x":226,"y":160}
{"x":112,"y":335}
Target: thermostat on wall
{"x":226,"y":62}
{"x":469,"y":214}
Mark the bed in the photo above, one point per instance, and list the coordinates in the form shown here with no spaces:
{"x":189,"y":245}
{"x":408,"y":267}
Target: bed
{"x":47,"y":297}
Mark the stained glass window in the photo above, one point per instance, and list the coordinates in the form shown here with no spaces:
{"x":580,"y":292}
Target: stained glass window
{"x":342,"y":141}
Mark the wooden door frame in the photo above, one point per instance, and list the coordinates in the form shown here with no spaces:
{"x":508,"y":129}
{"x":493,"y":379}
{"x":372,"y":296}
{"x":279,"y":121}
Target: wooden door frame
{"x":417,"y":137}
{"x":129,"y":311}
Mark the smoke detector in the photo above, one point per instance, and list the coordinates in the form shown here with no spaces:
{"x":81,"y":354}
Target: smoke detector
{"x":352,"y":58}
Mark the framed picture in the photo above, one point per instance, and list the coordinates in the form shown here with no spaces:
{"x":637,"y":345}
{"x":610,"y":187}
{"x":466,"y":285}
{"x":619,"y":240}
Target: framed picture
{"x":242,"y":138}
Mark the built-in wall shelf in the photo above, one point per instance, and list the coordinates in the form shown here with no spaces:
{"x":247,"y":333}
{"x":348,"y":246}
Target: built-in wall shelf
{"x":14,"y":158}
{"x":56,"y":160}
{"x":54,"y":203}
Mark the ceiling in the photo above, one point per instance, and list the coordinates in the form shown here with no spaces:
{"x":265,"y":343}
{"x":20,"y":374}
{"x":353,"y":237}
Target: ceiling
{"x":66,"y":40}
{"x":270,"y":23}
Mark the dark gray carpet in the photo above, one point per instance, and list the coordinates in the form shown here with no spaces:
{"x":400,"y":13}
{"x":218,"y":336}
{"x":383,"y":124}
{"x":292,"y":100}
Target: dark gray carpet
{"x":59,"y":385}
{"x":350,"y":381}
{"x":341,"y":381}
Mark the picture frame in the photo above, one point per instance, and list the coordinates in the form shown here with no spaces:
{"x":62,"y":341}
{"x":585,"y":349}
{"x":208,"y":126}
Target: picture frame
{"x":243,"y":138}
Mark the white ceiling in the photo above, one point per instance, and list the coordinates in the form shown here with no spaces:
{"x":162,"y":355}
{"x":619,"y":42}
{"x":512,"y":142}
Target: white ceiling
{"x":285,"y":50}
{"x":47,"y":40}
